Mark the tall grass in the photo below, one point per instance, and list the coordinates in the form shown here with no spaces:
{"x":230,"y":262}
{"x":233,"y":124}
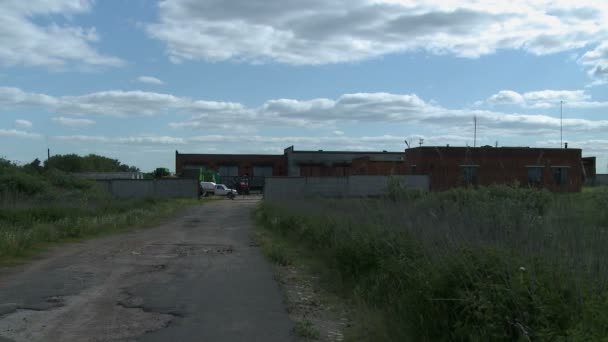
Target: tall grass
{"x":495,"y":263}
{"x":42,"y":206}
{"x":24,"y":229}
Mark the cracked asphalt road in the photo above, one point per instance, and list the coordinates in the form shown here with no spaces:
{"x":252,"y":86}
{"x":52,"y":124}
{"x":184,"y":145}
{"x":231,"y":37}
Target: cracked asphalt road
{"x":197,"y":277}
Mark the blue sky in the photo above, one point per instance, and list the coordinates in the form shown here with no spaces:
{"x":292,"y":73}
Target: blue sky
{"x":137,"y":80}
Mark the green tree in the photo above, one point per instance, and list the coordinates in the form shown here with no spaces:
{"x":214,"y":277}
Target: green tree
{"x":89,"y":163}
{"x":161,"y":172}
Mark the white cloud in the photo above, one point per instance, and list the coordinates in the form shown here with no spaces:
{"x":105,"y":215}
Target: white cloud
{"x":338,"y":132}
{"x":597,"y":82}
{"x":150,"y":80}
{"x":114,"y":103}
{"x":59,"y":44}
{"x":545,"y":99}
{"x":135,"y":140}
{"x":597,"y":61}
{"x":13,"y":133}
{"x":320,"y":32}
{"x":506,"y":97}
{"x":235,"y":118}
{"x":72,"y":122}
{"x":24,"y":124}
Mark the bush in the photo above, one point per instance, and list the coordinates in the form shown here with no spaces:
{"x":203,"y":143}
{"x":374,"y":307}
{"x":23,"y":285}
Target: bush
{"x":497,"y":263}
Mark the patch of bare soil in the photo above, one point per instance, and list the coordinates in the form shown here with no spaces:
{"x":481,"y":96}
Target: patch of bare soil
{"x":318,"y":315}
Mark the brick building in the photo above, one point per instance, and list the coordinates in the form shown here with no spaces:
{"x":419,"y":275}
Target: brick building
{"x":292,"y":163}
{"x":343,"y":163}
{"x":231,"y":165}
{"x":556,"y":169}
{"x":552,"y":168}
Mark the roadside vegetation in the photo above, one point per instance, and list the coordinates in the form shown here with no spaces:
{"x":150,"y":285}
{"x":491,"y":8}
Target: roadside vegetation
{"x":43,"y":204}
{"x":490,"y":264}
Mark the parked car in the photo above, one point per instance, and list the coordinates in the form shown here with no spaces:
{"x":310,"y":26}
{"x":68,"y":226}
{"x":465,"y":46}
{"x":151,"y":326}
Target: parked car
{"x":206,"y":188}
{"x":222,"y":190}
{"x":241,"y":185}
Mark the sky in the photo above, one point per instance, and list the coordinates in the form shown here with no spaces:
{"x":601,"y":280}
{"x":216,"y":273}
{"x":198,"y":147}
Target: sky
{"x":137,"y":80}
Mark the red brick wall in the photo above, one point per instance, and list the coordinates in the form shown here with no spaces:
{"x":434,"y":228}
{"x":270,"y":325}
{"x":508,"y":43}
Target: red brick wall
{"x":496,"y":165}
{"x":245,"y":162}
{"x":359,"y":166}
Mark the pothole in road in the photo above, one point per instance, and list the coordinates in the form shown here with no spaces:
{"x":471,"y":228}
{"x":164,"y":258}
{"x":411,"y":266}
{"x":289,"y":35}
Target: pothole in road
{"x":192,"y":223}
{"x":184,"y":250}
{"x":202,"y":249}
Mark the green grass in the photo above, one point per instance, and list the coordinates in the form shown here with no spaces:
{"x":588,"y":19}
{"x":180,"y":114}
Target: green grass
{"x":25,"y":232}
{"x":40,"y":207}
{"x":306,"y":330}
{"x":465,"y":265}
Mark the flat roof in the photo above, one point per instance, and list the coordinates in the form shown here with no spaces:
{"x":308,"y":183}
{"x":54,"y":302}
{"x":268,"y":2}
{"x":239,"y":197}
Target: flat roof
{"x":526,"y":148}
{"x":348,"y":152}
{"x":229,"y":154}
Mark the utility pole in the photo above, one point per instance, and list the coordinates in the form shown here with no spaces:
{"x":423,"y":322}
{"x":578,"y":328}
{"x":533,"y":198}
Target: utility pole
{"x":561,"y":127}
{"x":475,"y":131}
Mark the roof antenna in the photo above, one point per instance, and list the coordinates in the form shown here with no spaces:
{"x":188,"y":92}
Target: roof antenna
{"x":420,"y":141}
{"x":561,"y":127}
{"x":407,"y":144}
{"x":475,"y":131}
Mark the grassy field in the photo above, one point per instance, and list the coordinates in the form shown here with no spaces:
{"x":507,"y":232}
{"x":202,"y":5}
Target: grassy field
{"x":40,"y":207}
{"x":495,"y":263}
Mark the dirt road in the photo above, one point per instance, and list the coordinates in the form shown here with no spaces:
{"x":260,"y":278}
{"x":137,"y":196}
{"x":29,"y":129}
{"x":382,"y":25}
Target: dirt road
{"x":196,"y":278}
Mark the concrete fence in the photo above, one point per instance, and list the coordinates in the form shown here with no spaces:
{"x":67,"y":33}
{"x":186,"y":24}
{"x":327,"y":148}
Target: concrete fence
{"x":166,"y":188}
{"x":598,"y":180}
{"x":278,"y":188}
{"x":109,"y":175}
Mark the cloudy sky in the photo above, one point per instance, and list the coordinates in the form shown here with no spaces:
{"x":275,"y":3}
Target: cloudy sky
{"x":137,"y":80}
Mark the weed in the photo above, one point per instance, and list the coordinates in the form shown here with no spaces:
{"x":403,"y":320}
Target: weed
{"x":497,"y":263}
{"x":306,"y":329}
{"x":278,"y":254}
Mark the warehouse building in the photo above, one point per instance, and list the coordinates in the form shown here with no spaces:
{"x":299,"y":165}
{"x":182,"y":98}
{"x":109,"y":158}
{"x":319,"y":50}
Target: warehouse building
{"x":561,"y":170}
{"x":557,"y":169}
{"x":292,"y":163}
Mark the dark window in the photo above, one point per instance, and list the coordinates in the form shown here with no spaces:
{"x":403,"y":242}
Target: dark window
{"x":229,"y":171}
{"x":535,"y":175}
{"x":262,"y":171}
{"x":560,"y":175}
{"x":470,"y":174}
{"x":413,"y":169}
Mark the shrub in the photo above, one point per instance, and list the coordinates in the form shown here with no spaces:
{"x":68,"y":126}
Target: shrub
{"x":497,"y":263}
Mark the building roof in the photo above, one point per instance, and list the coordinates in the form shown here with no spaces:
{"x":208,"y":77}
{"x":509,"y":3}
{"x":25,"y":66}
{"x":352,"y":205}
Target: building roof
{"x":341,"y":152}
{"x":503,"y":148}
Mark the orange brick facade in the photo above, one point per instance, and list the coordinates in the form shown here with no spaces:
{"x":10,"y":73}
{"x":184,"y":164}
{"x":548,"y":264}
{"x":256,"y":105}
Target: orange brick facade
{"x":555,"y":169}
{"x":561,"y":170}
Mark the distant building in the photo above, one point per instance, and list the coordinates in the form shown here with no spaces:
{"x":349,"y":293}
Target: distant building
{"x":230,"y":165}
{"x":561,"y":170}
{"x":110,"y":175}
{"x":292,"y":163}
{"x":343,"y":163}
{"x":557,"y":169}
{"x":588,"y":168}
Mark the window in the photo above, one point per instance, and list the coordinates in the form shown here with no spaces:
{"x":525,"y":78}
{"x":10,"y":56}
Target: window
{"x":413,"y":169}
{"x":560,"y":175}
{"x":470,"y":174}
{"x":262,"y":171}
{"x":535,"y":175}
{"x":229,"y":171}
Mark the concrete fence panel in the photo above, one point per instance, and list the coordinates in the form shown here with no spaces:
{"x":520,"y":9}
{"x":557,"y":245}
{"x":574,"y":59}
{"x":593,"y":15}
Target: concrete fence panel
{"x":164,"y":188}
{"x":278,"y":188}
